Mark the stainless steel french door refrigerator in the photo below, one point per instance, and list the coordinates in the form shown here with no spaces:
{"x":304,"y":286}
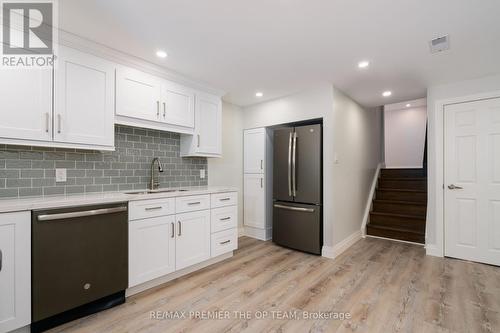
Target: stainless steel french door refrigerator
{"x":297,"y":188}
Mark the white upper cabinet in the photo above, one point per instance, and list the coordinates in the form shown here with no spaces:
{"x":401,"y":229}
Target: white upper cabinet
{"x":26,"y":104}
{"x":177,"y":105}
{"x":207,"y":138}
{"x":151,"y":102}
{"x":84,"y":99}
{"x":254,"y":150}
{"x":138,"y":95}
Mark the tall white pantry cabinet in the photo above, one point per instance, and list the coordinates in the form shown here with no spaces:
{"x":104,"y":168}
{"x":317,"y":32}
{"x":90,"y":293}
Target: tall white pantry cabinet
{"x":257,"y":187}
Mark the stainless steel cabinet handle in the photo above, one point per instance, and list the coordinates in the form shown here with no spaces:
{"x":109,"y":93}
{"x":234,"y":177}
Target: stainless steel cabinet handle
{"x":157,"y":108}
{"x":193,"y":203}
{"x":225,"y":242}
{"x":52,"y":217}
{"x":297,"y":209}
{"x":164,"y":110}
{"x":1,"y":260}
{"x":454,"y":187}
{"x":47,"y":120}
{"x":198,"y":136}
{"x":173,"y":230}
{"x":225,"y":199}
{"x":225,"y":218}
{"x":152,"y":208}
{"x":59,"y":123}
{"x":294,"y":165}
{"x":261,"y":183}
{"x":290,"y":165}
{"x":180,"y":228}
{"x":261,"y":164}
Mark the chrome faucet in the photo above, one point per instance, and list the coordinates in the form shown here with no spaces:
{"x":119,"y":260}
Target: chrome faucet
{"x":153,"y":185}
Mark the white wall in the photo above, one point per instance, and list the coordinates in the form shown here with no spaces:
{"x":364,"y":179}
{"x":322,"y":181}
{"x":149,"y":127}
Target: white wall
{"x":228,"y":170}
{"x":404,"y":137}
{"x":357,"y":143}
{"x":435,"y":94}
{"x":350,"y":132}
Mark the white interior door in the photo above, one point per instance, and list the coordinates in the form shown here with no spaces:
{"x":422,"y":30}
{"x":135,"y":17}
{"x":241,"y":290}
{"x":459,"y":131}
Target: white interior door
{"x":84,"y":90}
{"x":254,"y":201}
{"x":472,"y":181}
{"x":254,"y":150}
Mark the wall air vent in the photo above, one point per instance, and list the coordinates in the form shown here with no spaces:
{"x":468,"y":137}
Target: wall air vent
{"x":440,"y":44}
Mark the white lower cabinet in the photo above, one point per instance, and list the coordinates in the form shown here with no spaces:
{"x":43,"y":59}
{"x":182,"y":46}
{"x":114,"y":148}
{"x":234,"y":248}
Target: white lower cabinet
{"x":170,"y":234}
{"x":192,"y":243}
{"x":151,"y":248}
{"x":15,"y":270}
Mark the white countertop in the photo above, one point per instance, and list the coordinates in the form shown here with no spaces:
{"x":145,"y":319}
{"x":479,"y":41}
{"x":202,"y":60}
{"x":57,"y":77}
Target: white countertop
{"x":33,"y":203}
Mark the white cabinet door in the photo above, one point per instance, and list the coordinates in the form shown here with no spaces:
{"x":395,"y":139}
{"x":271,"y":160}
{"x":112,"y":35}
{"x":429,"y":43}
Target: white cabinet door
{"x":151,"y":248}
{"x":254,"y":150}
{"x":254,"y":201}
{"x":15,"y":270}
{"x":192,"y":244}
{"x":26,"y":104}
{"x":208,"y":124}
{"x":84,"y":99}
{"x":138,"y":95}
{"x":177,"y":105}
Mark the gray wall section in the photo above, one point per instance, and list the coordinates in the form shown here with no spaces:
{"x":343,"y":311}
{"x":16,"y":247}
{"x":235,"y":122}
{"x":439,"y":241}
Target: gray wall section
{"x":30,"y":171}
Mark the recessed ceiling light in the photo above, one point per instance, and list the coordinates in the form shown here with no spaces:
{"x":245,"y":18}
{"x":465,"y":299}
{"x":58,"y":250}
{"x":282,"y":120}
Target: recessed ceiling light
{"x":408,"y":105}
{"x":387,"y":93}
{"x":259,"y":94}
{"x":363,"y":64}
{"x":161,"y":54}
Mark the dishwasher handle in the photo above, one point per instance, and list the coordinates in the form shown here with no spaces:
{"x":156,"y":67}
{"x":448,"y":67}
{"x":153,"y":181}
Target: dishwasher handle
{"x":84,"y":213}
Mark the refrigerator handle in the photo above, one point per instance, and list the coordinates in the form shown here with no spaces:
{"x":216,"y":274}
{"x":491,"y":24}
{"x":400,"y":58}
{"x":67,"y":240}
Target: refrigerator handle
{"x":294,"y":164}
{"x":290,"y":165}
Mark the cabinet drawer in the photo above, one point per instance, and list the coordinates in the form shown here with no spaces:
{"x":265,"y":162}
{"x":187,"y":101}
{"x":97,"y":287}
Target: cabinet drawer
{"x":192,"y":203}
{"x":224,"y":241}
{"x":224,"y":199}
{"x":224,"y":218}
{"x":151,"y":208}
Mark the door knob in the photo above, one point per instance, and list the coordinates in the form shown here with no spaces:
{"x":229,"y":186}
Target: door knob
{"x":454,"y":187}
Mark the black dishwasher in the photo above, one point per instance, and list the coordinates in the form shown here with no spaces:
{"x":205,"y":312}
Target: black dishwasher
{"x":79,"y":262}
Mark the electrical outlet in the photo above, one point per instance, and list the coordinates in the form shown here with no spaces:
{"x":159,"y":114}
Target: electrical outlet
{"x":60,"y":175}
{"x":202,"y":173}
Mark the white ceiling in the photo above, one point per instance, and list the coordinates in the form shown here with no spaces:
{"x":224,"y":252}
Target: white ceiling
{"x":283,"y":46}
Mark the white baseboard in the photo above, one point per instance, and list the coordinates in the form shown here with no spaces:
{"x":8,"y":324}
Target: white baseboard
{"x":335,"y":251}
{"x":241,"y":231}
{"x":369,"y":202}
{"x":394,"y":240}
{"x":433,"y":250}
{"x":257,"y":233}
{"x":164,"y":279}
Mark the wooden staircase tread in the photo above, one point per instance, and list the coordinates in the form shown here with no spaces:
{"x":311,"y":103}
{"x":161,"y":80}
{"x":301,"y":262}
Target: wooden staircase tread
{"x":400,"y":190}
{"x":403,"y":216}
{"x":398,"y":229}
{"x":400,"y":202}
{"x":404,"y":178}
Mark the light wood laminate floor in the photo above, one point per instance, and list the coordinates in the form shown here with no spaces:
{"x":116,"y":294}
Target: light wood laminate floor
{"x":385,"y":286}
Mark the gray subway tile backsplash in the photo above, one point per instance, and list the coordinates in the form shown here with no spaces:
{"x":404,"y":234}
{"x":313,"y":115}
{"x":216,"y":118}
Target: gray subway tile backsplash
{"x":30,"y":171}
